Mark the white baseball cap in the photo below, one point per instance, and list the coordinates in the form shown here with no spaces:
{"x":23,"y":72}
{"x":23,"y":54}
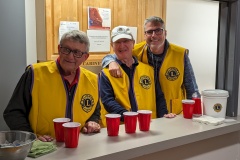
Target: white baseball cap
{"x":121,"y":32}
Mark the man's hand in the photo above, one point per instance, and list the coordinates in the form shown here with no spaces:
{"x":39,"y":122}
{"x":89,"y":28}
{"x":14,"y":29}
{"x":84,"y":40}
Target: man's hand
{"x":45,"y":138}
{"x":114,"y":70}
{"x":91,"y":127}
{"x":170,"y":115}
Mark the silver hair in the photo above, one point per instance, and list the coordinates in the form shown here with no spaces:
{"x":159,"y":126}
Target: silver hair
{"x":155,"y":20}
{"x":78,"y":36}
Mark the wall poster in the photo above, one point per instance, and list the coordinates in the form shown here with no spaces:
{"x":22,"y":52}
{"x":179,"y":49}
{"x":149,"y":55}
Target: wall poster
{"x":99,"y":18}
{"x":66,"y":26}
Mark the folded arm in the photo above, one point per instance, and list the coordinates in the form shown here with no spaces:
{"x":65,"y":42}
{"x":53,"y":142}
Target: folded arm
{"x":113,"y":67}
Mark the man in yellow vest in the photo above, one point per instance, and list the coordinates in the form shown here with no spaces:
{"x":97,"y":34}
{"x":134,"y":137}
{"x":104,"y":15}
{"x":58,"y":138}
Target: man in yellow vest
{"x":172,"y":68}
{"x":56,"y":89}
{"x":135,"y":90}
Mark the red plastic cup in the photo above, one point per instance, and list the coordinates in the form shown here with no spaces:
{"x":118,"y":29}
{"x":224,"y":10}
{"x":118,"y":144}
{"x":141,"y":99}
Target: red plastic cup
{"x":130,"y":121}
{"x":58,"y":128}
{"x":188,"y":106}
{"x":71,"y":134}
{"x":144,"y":119}
{"x":197,"y":111}
{"x":113,"y":122}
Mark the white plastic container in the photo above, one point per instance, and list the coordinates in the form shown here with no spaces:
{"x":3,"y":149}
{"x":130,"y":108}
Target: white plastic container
{"x":215,"y":102}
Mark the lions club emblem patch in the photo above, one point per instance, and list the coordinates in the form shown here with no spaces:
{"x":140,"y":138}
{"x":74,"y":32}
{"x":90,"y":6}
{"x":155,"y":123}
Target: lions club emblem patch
{"x":217,"y":107}
{"x":87,"y":102}
{"x":145,"y":82}
{"x":172,"y":74}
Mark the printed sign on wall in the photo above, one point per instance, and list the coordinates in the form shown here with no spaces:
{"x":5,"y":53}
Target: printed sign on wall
{"x":99,"y":18}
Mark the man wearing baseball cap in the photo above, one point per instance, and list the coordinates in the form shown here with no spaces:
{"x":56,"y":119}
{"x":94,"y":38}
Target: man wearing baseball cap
{"x":136,"y":89}
{"x":174,"y":75}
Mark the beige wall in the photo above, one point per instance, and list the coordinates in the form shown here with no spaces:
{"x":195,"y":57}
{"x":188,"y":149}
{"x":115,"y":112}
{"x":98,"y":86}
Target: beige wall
{"x":190,"y":27}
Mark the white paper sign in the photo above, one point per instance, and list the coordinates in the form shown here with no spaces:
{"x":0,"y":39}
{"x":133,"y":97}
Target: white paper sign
{"x":66,"y":26}
{"x":99,"y":40}
{"x":134,"y":32}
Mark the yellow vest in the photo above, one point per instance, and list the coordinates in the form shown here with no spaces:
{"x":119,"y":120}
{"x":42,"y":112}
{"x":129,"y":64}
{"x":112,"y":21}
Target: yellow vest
{"x":170,"y":76}
{"x":49,"y":97}
{"x":144,"y":89}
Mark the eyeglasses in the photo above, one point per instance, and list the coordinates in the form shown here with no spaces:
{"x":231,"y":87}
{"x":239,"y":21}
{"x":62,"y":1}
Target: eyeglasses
{"x":76,"y":53}
{"x":158,"y":31}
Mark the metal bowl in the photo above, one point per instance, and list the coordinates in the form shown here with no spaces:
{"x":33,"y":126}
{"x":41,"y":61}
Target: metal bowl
{"x":20,"y":143}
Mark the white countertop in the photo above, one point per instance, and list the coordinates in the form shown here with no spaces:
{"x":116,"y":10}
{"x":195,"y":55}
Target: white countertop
{"x":164,"y":134}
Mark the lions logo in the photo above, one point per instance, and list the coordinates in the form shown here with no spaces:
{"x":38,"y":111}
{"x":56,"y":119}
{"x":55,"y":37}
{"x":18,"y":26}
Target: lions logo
{"x":172,"y":74}
{"x":217,"y":107}
{"x":145,"y":82}
{"x":87,"y":102}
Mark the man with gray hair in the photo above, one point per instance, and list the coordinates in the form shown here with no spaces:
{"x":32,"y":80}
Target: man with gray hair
{"x":172,"y":68}
{"x":135,"y":90}
{"x":56,"y":89}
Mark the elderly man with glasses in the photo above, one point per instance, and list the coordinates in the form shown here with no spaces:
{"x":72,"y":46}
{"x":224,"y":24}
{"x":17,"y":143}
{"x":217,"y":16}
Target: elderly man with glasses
{"x":136,"y":90}
{"x":56,"y":89}
{"x":172,"y":68}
